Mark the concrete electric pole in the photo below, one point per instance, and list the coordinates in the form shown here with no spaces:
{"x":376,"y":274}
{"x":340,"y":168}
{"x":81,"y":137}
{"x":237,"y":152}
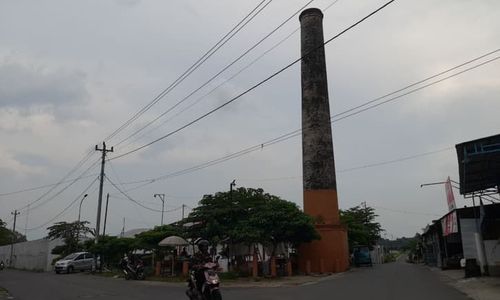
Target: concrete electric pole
{"x":105,"y":215}
{"x":99,"y":203}
{"x":15,"y":213}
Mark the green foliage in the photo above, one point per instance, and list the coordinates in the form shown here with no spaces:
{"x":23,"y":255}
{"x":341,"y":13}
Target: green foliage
{"x":6,"y":235}
{"x":249,"y":216}
{"x":111,"y":248}
{"x":148,"y":240}
{"x":390,"y":257}
{"x":278,"y":221}
{"x":402,"y":244}
{"x":71,"y":234}
{"x":362,"y":229}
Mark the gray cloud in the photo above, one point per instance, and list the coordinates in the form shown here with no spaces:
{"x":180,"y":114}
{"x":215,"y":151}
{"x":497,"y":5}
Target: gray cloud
{"x":26,"y":87}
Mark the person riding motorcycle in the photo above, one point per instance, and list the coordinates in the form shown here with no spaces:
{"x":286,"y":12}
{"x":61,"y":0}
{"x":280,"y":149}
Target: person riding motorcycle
{"x":199,"y":259}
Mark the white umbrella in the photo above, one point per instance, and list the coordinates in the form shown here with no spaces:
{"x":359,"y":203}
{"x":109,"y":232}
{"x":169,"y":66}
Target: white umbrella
{"x":173,"y":241}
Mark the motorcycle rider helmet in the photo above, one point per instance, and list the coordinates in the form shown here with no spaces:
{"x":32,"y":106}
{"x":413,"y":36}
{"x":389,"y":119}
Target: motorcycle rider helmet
{"x":203,"y":245}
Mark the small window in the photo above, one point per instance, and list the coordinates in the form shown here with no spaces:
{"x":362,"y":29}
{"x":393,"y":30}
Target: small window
{"x":89,"y":255}
{"x":79,"y":257}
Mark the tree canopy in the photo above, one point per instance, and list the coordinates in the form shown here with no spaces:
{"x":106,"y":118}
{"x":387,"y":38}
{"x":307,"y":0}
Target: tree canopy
{"x":249,"y":216}
{"x":6,"y":235}
{"x":111,"y":248}
{"x":148,"y":240}
{"x":362,"y":229}
{"x":71,"y":233}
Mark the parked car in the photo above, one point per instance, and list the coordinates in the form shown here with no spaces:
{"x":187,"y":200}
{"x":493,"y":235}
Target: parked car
{"x":79,"y":261}
{"x":362,"y":256}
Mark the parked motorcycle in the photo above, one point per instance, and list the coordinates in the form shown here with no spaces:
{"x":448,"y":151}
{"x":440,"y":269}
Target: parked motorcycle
{"x":209,"y":287}
{"x":133,"y":272}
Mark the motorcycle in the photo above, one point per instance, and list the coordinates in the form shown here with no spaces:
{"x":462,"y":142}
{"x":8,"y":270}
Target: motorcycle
{"x":209,"y":288}
{"x":133,"y":272}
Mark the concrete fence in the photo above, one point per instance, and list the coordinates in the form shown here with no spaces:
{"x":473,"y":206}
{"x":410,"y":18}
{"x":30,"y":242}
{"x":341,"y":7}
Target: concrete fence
{"x":31,"y":255}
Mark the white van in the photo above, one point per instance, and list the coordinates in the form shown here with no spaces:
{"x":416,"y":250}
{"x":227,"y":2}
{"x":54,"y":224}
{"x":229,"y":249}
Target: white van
{"x":80,"y":261}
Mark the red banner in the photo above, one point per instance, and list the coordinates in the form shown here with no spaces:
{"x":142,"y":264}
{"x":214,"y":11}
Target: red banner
{"x":449,"y":224}
{"x":450,"y":198}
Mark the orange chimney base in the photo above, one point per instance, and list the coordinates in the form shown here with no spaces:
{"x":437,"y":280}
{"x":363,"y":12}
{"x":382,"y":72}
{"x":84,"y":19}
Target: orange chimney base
{"x":331,"y":253}
{"x":328,"y":255}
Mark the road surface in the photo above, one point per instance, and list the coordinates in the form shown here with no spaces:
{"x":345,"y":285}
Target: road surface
{"x":394,"y":281}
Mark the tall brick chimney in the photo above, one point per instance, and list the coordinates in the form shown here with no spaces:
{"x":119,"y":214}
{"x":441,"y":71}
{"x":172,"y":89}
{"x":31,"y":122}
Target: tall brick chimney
{"x":330,"y":254}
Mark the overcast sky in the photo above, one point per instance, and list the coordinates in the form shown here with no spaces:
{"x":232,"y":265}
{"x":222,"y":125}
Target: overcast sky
{"x":71,"y":72}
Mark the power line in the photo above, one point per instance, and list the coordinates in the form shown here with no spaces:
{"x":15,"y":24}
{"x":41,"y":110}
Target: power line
{"x":396,"y":160}
{"x":222,"y":83}
{"x":45,"y":186}
{"x":67,"y":207}
{"x":78,"y":165}
{"x":228,"y":36}
{"x":419,"y":88}
{"x":213,"y":162}
{"x":420,"y":81}
{"x":218,"y":73}
{"x":297,"y":132}
{"x":58,"y":193}
{"x":137,"y":202}
{"x":251,"y":88}
{"x":388,"y":162}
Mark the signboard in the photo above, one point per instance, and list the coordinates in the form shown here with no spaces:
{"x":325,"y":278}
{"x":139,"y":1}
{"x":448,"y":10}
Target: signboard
{"x":450,"y":198}
{"x":479,"y":164}
{"x":449,"y":224}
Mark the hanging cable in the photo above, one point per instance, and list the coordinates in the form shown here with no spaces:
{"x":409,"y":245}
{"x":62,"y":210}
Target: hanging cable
{"x":228,"y":36}
{"x":251,"y":88}
{"x":66,"y":208}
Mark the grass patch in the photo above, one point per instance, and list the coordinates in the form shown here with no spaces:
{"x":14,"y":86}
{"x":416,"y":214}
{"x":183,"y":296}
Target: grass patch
{"x":3,"y":293}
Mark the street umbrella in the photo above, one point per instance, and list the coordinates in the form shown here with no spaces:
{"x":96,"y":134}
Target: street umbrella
{"x":173,"y":241}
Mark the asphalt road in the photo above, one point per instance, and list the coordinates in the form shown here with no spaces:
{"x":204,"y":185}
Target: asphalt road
{"x":393,"y":281}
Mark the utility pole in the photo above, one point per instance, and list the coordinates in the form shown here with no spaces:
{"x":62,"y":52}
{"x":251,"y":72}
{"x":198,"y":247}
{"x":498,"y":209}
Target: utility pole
{"x":231,"y":185}
{"x":162,"y":198}
{"x":105,"y":215}
{"x":122,"y":234}
{"x":15,"y":213}
{"x":183,"y":205}
{"x":99,"y":203}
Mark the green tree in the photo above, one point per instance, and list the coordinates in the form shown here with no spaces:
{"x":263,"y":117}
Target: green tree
{"x":148,"y":240}
{"x":279,"y":221}
{"x":218,"y":217}
{"x":71,"y":234}
{"x":6,"y":235}
{"x":362,"y":229}
{"x":111,"y":248}
{"x":250,"y":216}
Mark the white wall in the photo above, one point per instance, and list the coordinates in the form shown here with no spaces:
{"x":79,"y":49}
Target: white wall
{"x":31,"y":255}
